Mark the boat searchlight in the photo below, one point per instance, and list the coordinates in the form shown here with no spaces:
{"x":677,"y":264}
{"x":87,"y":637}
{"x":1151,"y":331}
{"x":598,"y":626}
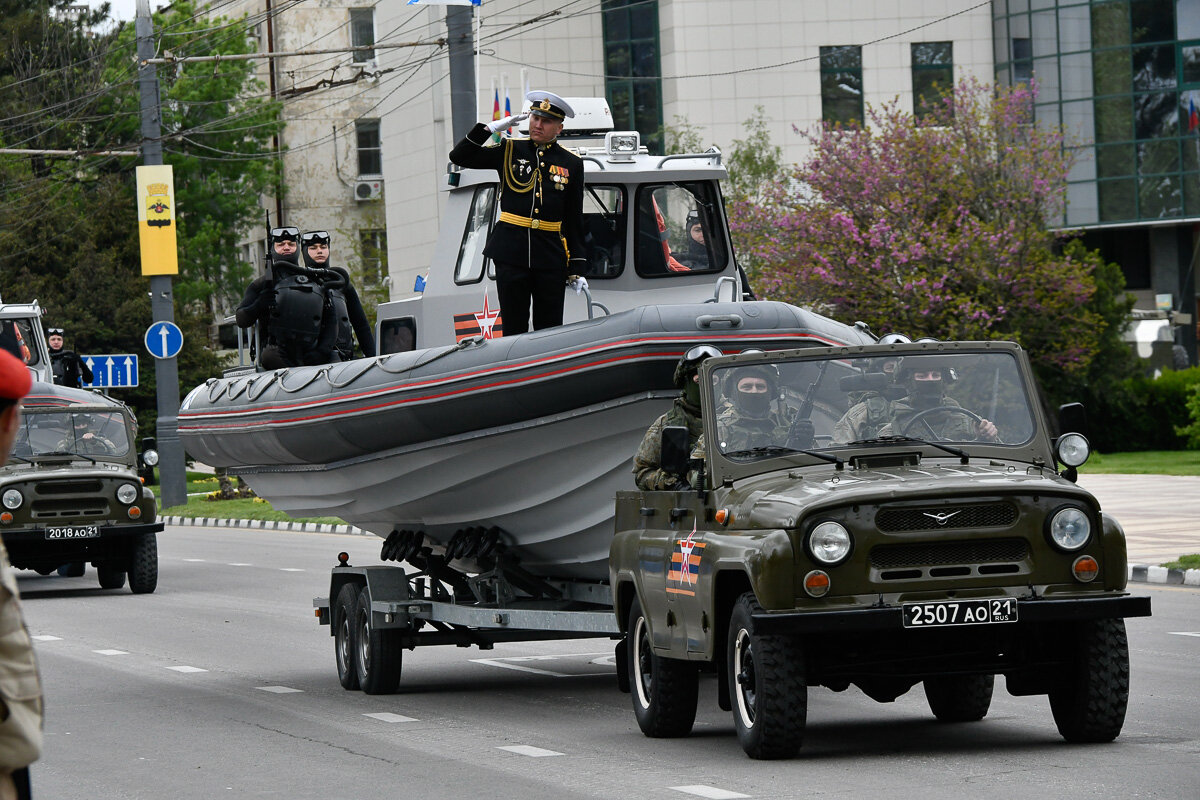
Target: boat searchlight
{"x":622,"y":145}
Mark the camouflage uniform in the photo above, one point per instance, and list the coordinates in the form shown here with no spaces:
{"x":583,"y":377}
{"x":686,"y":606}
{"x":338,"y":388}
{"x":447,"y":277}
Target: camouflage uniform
{"x":647,"y":464}
{"x":946,"y":425}
{"x":94,"y":445}
{"x":741,"y":431}
{"x":864,"y":420}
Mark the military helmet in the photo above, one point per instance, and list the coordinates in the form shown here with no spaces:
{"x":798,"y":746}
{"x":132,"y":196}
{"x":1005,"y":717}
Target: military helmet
{"x":690,"y":363}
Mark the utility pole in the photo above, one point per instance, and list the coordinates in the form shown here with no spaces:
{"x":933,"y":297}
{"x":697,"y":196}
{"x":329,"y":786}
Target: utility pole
{"x":173,"y":489}
{"x":461,"y":40}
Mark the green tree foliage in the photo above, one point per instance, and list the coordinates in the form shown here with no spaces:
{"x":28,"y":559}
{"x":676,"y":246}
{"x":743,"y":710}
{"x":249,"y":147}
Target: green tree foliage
{"x":1192,"y":429}
{"x":937,"y":227}
{"x":68,"y":226}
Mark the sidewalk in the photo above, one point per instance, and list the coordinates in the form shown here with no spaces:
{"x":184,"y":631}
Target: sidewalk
{"x":1160,"y":514}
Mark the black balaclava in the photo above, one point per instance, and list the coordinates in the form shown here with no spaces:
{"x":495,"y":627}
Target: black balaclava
{"x":314,"y":237}
{"x":756,"y":404}
{"x":291,"y":258}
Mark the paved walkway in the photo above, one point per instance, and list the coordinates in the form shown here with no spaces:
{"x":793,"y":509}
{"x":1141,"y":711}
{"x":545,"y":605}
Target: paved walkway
{"x":1160,"y":513}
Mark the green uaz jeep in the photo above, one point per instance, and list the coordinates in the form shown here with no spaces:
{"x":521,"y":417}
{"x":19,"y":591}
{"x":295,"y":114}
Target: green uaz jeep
{"x":883,"y":516}
{"x":71,"y":495}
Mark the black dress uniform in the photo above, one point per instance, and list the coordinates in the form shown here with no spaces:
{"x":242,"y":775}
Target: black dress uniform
{"x":539,"y":238}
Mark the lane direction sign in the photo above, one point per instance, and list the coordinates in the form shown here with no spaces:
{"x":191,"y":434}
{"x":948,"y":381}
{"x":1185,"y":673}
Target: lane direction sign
{"x":117,"y":371}
{"x":164,"y":339}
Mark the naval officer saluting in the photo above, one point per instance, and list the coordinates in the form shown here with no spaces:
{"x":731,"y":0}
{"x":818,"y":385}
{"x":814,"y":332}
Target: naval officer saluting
{"x":539,"y":238}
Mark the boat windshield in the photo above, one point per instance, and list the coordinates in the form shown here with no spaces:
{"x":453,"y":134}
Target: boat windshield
{"x":97,"y":434}
{"x":959,"y":400}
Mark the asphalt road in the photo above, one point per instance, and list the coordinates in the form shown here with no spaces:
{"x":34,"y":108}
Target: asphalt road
{"x":221,"y":684}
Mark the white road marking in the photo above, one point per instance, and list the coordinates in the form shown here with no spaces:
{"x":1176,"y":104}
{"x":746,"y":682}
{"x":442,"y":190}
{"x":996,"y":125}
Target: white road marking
{"x":278,"y":689}
{"x":45,"y":637}
{"x":387,"y":716}
{"x":187,"y":669}
{"x":241,"y":565}
{"x":509,"y":663}
{"x":110,"y":652}
{"x":527,"y":750}
{"x":290,"y":569}
{"x":1183,"y":633}
{"x":711,"y":792}
{"x":195,"y":560}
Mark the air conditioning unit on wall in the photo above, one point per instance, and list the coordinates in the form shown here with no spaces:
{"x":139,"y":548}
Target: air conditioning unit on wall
{"x":365,"y":189}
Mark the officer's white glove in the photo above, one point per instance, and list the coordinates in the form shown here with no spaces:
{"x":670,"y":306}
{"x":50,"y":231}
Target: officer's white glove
{"x":504,"y":124}
{"x":577,"y":282}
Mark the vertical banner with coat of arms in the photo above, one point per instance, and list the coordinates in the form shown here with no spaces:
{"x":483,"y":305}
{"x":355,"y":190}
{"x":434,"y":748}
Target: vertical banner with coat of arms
{"x":156,"y":220}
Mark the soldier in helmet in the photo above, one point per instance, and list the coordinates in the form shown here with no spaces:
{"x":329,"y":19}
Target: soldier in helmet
{"x":685,"y":412}
{"x":85,"y":438}
{"x":750,"y":420}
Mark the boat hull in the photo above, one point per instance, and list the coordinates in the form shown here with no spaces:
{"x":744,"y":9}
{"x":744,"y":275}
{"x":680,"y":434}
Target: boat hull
{"x":534,"y":434}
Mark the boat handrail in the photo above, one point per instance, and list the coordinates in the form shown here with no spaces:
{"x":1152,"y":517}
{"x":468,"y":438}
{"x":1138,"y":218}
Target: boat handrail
{"x":594,"y":160}
{"x":711,"y":153}
{"x":716,"y":298}
{"x":592,"y":304}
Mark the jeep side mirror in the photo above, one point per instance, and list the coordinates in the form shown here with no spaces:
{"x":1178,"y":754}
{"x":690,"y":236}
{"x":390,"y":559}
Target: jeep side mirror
{"x":676,"y":450}
{"x":1072,"y":418}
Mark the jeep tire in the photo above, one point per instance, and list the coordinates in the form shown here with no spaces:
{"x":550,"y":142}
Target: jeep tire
{"x":143,"y":564}
{"x":1089,"y":702}
{"x":959,"y":698}
{"x":110,"y":576}
{"x":766,"y":686}
{"x":664,"y":690}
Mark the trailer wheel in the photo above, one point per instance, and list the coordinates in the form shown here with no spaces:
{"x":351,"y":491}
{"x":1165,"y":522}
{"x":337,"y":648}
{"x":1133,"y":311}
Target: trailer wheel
{"x":378,"y":654}
{"x":143,"y":564}
{"x":665,"y":690}
{"x":766,"y":682}
{"x":110,"y":577}
{"x":343,"y":636}
{"x":1089,"y":702}
{"x":959,"y":698}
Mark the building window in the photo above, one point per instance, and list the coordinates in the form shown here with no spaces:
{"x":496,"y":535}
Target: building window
{"x":370,"y":154}
{"x":633,"y":73}
{"x":932,"y":75}
{"x":1022,"y":61}
{"x":373,"y":246}
{"x":362,"y":32}
{"x":842,"y":85}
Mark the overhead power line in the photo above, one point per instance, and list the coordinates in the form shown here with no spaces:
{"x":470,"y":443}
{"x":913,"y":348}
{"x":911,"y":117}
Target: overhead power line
{"x":170,"y":59}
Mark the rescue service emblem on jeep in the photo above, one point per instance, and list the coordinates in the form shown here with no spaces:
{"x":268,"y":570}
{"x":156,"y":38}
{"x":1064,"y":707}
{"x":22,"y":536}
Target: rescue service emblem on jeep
{"x":685,"y":565}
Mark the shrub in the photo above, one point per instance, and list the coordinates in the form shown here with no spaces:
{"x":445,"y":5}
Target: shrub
{"x":1147,"y":414}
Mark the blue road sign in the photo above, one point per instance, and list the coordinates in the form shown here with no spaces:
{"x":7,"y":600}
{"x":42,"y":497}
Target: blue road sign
{"x":112,"y":371}
{"x":164,"y":339}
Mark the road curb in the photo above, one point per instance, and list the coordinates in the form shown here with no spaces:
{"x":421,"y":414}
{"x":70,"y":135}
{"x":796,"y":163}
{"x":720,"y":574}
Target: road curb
{"x":1144,"y":573}
{"x":259,"y":524}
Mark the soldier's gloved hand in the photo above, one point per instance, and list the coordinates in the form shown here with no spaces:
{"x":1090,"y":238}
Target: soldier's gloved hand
{"x":577,"y":282}
{"x":504,"y":124}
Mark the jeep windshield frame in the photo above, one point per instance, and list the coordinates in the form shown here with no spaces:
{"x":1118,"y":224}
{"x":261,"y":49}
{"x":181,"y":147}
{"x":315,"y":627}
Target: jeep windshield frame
{"x":91,"y":433}
{"x":821,"y":407}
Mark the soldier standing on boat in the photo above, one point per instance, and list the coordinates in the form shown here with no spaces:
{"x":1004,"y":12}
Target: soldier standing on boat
{"x":538,"y":241}
{"x":344,"y":316}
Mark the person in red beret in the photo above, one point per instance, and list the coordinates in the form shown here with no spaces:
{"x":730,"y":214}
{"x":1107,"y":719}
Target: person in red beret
{"x":21,"y":692}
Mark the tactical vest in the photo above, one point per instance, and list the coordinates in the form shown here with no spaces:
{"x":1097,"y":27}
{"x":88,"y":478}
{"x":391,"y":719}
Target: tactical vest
{"x":296,"y":311}
{"x":337,"y":319}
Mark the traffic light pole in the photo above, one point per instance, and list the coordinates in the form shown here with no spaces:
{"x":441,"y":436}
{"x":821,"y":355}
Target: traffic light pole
{"x":173,"y":482}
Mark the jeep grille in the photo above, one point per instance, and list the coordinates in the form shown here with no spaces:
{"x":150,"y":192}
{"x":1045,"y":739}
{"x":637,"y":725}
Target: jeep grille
{"x":989,"y":515}
{"x":82,"y":486}
{"x":933,"y":554}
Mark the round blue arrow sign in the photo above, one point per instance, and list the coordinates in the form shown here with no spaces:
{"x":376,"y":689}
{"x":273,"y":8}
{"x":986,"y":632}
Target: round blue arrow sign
{"x":164,"y":339}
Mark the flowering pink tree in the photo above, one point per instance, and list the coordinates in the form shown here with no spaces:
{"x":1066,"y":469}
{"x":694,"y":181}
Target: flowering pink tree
{"x":933,"y":227}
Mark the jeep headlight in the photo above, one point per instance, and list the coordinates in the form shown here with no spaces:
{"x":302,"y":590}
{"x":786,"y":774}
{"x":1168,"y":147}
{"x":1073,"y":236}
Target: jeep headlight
{"x":127,"y":493}
{"x":150,"y":458}
{"x":1070,"y":528}
{"x":829,"y":542}
{"x":13,"y":499}
{"x":1073,"y":449}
